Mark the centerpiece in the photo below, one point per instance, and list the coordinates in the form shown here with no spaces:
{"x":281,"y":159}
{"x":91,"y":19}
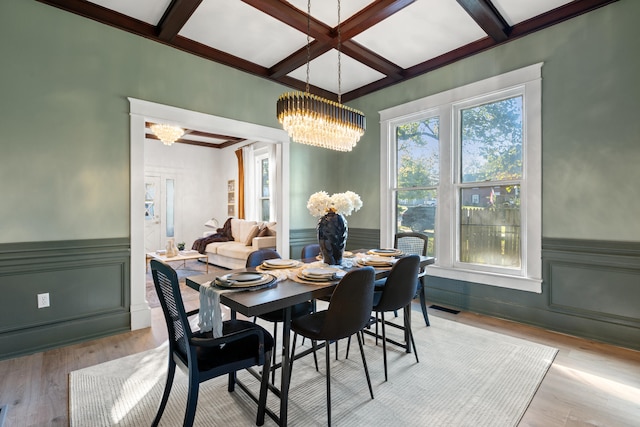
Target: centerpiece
{"x":332,"y":225}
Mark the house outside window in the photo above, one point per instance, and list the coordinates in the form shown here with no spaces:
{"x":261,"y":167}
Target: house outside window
{"x":464,"y":167}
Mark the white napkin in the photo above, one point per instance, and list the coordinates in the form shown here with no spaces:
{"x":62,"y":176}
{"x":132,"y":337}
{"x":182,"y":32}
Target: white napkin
{"x":210,"y":316}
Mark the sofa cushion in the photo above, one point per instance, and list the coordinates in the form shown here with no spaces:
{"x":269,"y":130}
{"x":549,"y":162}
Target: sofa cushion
{"x":240,"y":229}
{"x":264,"y":231}
{"x":235,"y":250}
{"x":255,"y":230}
{"x":212,"y":247}
{"x":271,"y":226}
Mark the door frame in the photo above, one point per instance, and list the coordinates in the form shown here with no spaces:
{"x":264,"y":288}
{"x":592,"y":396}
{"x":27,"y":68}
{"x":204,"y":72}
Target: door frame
{"x":141,"y":111}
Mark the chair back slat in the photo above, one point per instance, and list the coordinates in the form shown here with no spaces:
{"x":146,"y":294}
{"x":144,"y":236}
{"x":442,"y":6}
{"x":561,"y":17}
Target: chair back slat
{"x":350,"y":306}
{"x":166,"y":283}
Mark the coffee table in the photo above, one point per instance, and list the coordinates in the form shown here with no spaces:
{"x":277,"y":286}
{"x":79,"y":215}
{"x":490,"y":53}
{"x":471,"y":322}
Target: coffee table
{"x":182,"y":256}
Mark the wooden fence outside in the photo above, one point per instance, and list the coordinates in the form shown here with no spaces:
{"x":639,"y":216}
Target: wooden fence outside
{"x":490,"y":236}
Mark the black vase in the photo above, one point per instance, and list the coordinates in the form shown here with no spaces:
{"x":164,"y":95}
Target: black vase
{"x":332,"y":237}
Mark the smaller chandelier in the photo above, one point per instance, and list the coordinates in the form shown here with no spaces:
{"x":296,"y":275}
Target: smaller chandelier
{"x":317,"y":121}
{"x":168,"y":134}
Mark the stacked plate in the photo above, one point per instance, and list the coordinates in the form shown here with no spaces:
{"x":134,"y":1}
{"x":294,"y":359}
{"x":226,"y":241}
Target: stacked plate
{"x":376,"y":261}
{"x":247,"y":280}
{"x":275,"y":264}
{"x":345,"y":254}
{"x":385,"y":252}
{"x":321,"y":274}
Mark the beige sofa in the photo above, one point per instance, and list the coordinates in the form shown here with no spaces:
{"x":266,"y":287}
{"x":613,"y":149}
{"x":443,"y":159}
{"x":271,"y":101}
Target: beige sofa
{"x":248,"y":236}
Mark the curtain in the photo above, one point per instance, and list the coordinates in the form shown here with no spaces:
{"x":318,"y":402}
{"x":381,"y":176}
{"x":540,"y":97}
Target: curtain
{"x":240,"y":186}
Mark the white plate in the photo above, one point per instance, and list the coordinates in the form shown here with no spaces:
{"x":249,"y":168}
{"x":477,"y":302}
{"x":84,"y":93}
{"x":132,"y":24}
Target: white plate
{"x":280,"y":262}
{"x":320,"y":272}
{"x":242,"y":277}
{"x":264,"y":281}
{"x":385,"y":252}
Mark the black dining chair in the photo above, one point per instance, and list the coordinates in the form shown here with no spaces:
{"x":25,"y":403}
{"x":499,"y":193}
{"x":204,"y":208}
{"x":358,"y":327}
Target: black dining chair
{"x":308,"y":252}
{"x":416,"y":244}
{"x":200,"y":355}
{"x":397,"y":293}
{"x":255,"y":259}
{"x":348,"y":313}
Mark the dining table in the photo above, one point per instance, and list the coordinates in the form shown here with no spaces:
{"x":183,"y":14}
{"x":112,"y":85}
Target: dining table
{"x":285,"y":294}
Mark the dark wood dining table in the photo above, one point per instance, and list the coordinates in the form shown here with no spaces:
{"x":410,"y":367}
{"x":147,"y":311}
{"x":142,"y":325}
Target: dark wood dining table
{"x":283,"y":296}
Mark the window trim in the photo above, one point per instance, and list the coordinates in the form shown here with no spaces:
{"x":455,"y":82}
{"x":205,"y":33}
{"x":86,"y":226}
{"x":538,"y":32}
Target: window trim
{"x":446,"y":105}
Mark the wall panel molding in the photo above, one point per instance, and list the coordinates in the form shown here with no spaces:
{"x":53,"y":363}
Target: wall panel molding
{"x":88,"y":287}
{"x":590,"y":289}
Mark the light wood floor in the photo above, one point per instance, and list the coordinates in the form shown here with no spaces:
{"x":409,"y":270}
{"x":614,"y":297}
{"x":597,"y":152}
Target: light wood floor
{"x":589,"y":383}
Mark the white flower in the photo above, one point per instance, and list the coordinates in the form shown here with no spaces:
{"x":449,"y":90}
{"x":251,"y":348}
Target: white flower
{"x":321,"y":203}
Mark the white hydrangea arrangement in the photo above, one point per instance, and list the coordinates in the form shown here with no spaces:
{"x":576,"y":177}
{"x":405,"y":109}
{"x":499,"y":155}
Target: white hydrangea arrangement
{"x":321,"y":203}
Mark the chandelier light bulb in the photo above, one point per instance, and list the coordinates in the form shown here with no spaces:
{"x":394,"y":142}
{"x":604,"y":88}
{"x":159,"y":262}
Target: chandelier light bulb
{"x":168,"y":134}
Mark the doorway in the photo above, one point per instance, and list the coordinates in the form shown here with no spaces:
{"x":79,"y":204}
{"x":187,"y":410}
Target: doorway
{"x":144,"y":111}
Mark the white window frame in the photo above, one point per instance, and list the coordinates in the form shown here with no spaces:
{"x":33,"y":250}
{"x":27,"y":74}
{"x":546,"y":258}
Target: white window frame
{"x":259,"y":157}
{"x":526,"y":81}
{"x":253,"y":155}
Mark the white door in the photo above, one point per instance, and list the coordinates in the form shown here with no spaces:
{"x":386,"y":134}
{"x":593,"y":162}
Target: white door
{"x":152,"y":213}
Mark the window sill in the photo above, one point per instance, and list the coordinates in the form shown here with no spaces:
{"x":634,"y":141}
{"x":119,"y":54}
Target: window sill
{"x":500,"y":280}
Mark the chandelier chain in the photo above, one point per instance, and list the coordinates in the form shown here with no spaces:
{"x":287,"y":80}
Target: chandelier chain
{"x":315,"y":120}
{"x":308,"y":42}
{"x":339,"y":62}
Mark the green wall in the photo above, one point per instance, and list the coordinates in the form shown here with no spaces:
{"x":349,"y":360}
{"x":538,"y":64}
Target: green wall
{"x":65,"y":124}
{"x":590,"y":104}
{"x":64,"y":117}
{"x":64,"y":162}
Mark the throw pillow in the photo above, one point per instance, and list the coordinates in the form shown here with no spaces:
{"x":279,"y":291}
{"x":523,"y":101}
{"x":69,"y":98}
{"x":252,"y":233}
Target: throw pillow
{"x":264,"y":231}
{"x":253,"y":232}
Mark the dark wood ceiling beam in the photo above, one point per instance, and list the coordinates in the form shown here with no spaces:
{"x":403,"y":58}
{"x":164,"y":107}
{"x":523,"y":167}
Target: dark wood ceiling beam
{"x":218,"y":56}
{"x":321,"y":31}
{"x":369,"y":16}
{"x":353,"y":26}
{"x":175,"y":17}
{"x":524,"y":28}
{"x":286,"y":13}
{"x":557,"y":15}
{"x":105,"y":16}
{"x":298,"y":59}
{"x":226,"y":139}
{"x":487,"y":17}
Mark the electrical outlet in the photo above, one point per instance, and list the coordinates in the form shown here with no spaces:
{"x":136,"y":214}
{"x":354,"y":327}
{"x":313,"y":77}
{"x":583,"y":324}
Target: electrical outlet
{"x":43,"y":300}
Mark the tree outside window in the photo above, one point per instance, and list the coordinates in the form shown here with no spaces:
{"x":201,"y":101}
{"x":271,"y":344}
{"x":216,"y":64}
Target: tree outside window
{"x":489,"y":189}
{"x":418,"y":174}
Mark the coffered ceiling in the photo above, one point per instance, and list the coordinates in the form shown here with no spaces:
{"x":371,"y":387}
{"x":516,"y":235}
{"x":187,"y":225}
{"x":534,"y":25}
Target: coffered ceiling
{"x":382,"y":42}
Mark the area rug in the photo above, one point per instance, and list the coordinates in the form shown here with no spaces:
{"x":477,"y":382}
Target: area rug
{"x":466,"y":377}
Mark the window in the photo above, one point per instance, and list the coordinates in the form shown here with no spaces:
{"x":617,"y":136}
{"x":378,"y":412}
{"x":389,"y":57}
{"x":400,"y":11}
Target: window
{"x":264,"y":201}
{"x":170,"y":210}
{"x":260,"y":178}
{"x":417,"y":177}
{"x":464,"y":167}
